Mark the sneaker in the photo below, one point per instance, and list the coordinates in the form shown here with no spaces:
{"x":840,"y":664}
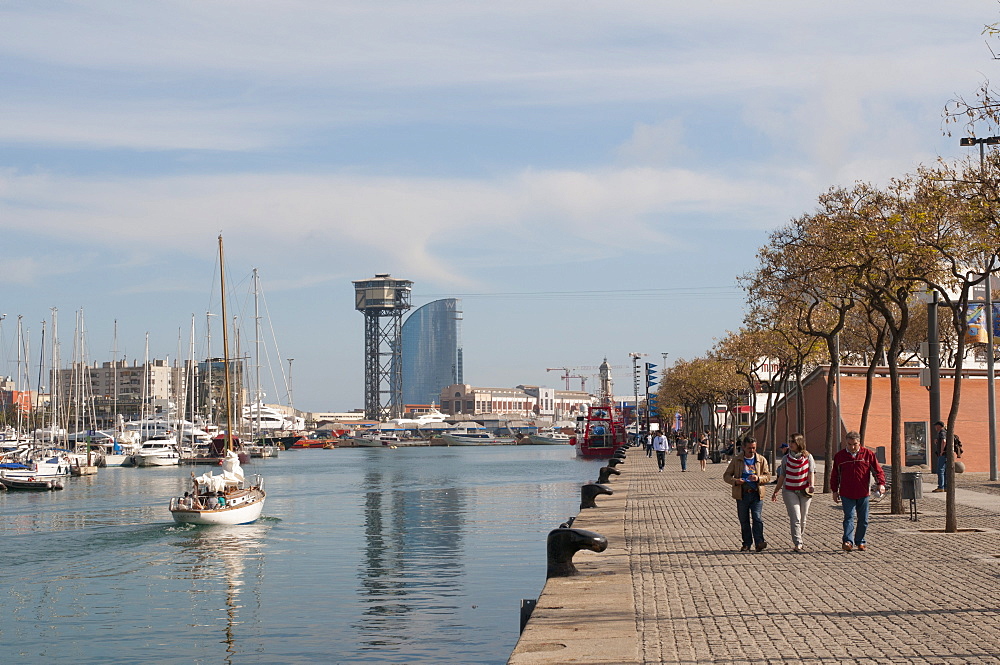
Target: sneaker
{"x":848,"y":546}
{"x":939,"y":489}
{"x":762,"y":546}
{"x":862,"y":547}
{"x":797,"y":548}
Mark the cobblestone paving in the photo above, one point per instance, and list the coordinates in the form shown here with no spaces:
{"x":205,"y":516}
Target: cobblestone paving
{"x":916,"y":596}
{"x":977,"y":482}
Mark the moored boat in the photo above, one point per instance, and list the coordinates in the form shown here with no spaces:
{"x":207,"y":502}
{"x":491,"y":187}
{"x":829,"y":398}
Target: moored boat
{"x":475,"y":439}
{"x":31,"y":483}
{"x":157,"y":452}
{"x":548,"y":438}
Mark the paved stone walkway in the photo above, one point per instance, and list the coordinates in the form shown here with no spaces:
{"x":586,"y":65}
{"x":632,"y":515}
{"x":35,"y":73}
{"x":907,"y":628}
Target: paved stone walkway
{"x":918,"y":595}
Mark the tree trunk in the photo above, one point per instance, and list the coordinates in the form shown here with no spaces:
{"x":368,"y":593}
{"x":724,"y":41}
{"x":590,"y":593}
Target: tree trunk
{"x":896,"y":458}
{"x":831,"y":409}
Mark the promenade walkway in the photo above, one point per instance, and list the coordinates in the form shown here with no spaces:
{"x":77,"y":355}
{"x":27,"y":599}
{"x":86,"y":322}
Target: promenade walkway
{"x":673,"y":586}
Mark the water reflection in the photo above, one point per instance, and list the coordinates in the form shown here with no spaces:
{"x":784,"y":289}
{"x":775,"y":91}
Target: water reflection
{"x":226,"y":558}
{"x":412,"y":559}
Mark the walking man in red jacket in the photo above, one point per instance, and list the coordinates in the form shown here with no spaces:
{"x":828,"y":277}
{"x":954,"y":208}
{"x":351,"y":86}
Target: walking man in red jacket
{"x":853,"y":469}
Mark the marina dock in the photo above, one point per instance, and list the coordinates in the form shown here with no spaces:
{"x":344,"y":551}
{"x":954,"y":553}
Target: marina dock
{"x":673,"y":587}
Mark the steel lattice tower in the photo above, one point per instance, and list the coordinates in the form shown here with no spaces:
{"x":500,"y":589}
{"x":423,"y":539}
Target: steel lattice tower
{"x":383,"y":300}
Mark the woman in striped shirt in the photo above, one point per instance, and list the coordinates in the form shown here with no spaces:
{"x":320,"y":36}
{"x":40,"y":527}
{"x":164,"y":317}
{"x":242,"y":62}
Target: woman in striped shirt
{"x":796,"y":482}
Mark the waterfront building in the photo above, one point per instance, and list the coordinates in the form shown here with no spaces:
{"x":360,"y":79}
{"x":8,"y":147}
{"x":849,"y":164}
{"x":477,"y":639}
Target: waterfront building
{"x":431,"y":357}
{"x":118,"y":385}
{"x":972,"y":424}
{"x":522,"y":401}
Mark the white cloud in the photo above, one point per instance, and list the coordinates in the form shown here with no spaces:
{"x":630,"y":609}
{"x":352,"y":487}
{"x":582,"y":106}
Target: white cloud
{"x":410,"y":223}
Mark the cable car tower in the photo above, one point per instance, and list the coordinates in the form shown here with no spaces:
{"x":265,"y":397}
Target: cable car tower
{"x":383,"y":300}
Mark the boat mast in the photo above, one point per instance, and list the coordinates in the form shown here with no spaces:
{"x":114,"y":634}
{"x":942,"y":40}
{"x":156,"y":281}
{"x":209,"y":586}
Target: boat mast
{"x":225,"y":349}
{"x":36,"y":417}
{"x":17,"y":383}
{"x":209,"y":392}
{"x":114,"y":378}
{"x":256,"y":317}
{"x":190,"y":375}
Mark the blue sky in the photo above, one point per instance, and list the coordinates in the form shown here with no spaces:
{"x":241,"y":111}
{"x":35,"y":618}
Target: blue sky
{"x":615,"y":164}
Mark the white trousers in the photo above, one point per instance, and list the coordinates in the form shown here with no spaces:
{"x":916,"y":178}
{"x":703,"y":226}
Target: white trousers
{"x":797,"y":505}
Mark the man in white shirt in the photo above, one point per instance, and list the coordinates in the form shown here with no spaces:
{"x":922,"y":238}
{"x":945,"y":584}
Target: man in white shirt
{"x":660,"y":447}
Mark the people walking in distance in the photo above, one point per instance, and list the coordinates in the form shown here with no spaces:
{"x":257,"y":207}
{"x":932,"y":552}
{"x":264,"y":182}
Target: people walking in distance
{"x":850,"y":481}
{"x":941,"y":451}
{"x":682,"y":451}
{"x":749,"y":473}
{"x":660,"y":447}
{"x":796,"y":483}
{"x":703,"y":451}
{"x":647,"y":443}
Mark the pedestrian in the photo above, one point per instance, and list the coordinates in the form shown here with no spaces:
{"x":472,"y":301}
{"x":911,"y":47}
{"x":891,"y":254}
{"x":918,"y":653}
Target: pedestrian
{"x":748,"y":474}
{"x":797,"y":483}
{"x":941,"y":462}
{"x":660,"y":446}
{"x":682,"y":451}
{"x":648,"y":445}
{"x":850,"y":481}
{"x":703,"y":452}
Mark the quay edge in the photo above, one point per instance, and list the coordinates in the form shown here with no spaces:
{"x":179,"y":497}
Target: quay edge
{"x":588,"y":618}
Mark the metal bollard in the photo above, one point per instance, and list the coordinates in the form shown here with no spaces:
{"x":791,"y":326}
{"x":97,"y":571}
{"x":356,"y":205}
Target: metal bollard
{"x":604,"y":475}
{"x":564,"y":543}
{"x":589,"y":491}
{"x":615,"y":461}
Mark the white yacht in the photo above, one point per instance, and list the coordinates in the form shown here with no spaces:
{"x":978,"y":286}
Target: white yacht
{"x":421,"y":420}
{"x":548,"y":437}
{"x":265,"y":418}
{"x":471,"y":434}
{"x":158,"y":452}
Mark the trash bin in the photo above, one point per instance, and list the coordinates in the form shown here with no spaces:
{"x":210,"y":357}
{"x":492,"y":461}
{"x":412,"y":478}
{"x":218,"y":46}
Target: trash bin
{"x":913,"y":487}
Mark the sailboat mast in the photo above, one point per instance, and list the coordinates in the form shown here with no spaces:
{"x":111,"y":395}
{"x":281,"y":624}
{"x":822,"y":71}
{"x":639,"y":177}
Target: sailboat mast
{"x":259,"y":402}
{"x":225,"y":349}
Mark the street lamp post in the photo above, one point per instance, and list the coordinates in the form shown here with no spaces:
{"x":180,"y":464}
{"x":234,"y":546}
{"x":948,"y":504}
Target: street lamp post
{"x":990,"y":349}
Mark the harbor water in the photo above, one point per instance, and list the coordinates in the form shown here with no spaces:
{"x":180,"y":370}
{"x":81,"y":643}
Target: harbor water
{"x":408,"y":555}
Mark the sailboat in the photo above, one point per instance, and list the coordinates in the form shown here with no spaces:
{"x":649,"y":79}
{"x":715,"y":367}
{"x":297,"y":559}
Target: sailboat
{"x":230,"y":497}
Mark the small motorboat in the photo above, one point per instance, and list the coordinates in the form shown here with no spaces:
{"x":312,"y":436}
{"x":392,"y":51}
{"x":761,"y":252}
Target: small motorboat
{"x":31,"y":483}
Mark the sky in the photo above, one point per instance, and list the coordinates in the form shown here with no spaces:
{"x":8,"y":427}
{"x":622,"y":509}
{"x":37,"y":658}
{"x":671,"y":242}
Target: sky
{"x":589,"y":177}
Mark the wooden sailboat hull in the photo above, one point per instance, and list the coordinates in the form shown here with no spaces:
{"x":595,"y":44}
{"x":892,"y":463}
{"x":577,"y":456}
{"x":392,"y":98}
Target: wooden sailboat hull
{"x":242,"y":511}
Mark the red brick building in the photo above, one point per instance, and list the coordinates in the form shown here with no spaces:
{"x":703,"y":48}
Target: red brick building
{"x":972,"y":425}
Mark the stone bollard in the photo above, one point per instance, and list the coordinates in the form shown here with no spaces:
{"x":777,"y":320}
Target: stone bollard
{"x":564,"y":543}
{"x":606,"y":472}
{"x":615,"y":461}
{"x":591,"y":490}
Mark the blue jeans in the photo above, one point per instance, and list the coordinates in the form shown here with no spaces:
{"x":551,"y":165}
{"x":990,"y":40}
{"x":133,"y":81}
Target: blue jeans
{"x":661,"y":458}
{"x":750,"y":509}
{"x":942,"y":471}
{"x":852,"y":506}
{"x":684,"y":462}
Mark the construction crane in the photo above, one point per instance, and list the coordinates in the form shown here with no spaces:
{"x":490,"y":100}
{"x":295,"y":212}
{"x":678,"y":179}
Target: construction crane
{"x":568,"y":374}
